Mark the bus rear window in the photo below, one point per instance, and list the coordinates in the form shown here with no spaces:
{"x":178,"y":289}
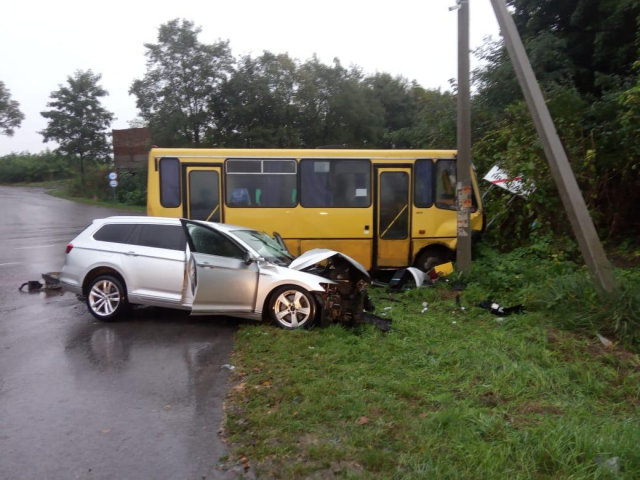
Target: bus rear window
{"x":261,"y":183}
{"x":170,"y":182}
{"x":335,"y":183}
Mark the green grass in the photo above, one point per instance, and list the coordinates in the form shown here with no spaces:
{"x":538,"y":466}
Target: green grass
{"x":63,"y":193}
{"x":55,"y":184}
{"x":445,"y":394}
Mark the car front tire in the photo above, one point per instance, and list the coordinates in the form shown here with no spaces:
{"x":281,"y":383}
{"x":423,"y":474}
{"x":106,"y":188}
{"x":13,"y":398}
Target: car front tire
{"x":106,"y":298}
{"x":292,"y":307}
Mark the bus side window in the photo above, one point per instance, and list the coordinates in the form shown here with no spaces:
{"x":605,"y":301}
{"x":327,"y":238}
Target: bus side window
{"x":446,"y":184}
{"x":338,"y":183}
{"x":261,"y":183}
{"x":423,"y":187}
{"x":170,"y":182}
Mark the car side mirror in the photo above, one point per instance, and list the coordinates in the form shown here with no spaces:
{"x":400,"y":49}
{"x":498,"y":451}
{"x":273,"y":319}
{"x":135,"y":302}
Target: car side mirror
{"x":248,"y":258}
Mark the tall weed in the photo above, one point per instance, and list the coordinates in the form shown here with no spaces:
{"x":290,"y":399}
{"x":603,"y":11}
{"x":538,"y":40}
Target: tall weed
{"x":544,"y":277}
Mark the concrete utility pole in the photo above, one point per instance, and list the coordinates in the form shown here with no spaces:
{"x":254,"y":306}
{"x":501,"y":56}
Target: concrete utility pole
{"x":583,"y":228}
{"x":464,"y":190}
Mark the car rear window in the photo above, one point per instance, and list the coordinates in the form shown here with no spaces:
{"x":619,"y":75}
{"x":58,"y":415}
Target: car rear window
{"x":170,"y":237}
{"x":115,"y":232}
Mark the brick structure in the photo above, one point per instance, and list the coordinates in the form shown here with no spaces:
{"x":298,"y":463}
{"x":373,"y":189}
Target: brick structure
{"x":131,"y":148}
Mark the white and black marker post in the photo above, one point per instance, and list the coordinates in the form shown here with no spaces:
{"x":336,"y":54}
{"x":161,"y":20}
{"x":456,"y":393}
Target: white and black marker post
{"x":574,"y":204}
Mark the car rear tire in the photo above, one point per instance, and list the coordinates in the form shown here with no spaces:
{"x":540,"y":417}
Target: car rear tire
{"x":106,"y":298}
{"x":292,"y":307}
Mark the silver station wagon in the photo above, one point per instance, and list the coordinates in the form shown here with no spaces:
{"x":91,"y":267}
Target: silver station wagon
{"x":210,"y":269}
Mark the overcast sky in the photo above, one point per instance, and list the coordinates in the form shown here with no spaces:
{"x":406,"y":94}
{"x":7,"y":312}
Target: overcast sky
{"x":43,"y":42}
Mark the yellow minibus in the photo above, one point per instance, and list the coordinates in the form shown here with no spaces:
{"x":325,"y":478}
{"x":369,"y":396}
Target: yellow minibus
{"x":385,"y":208}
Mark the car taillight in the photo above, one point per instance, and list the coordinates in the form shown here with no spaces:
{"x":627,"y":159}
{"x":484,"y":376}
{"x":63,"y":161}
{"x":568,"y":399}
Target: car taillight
{"x":69,"y":247}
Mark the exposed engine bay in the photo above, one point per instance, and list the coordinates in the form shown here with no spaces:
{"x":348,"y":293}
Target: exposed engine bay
{"x":345,"y":301}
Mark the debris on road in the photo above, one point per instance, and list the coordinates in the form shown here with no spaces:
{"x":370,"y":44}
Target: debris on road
{"x":229,"y":367}
{"x":52,"y":280}
{"x":32,"y":286}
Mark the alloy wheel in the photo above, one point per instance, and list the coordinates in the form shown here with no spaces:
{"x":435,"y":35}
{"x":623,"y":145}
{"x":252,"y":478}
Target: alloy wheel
{"x":292,"y":309}
{"x":104,"y":298}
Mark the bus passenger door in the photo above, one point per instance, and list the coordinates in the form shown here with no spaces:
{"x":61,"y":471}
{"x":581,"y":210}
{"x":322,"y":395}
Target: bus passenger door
{"x":392,"y":236}
{"x":202,"y":193}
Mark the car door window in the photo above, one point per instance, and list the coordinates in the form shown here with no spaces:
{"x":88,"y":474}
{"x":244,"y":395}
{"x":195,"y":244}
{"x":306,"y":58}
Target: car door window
{"x":210,"y":242}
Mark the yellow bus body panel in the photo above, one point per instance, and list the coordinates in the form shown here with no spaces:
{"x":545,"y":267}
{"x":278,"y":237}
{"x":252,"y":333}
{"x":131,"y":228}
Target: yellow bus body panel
{"x":348,"y":230}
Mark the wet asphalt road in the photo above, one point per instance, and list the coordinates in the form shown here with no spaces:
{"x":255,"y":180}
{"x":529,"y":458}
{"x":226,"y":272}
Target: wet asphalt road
{"x":136,"y":399}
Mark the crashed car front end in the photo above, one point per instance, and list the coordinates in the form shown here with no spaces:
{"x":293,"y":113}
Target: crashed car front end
{"x":345,"y":299}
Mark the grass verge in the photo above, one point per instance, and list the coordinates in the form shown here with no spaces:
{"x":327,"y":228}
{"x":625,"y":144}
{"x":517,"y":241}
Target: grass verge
{"x":62,"y":193}
{"x":450,"y":393}
{"x":57,"y":184}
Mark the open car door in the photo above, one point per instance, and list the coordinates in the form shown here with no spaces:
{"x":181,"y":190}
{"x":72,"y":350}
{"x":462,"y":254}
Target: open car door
{"x":220,"y":279}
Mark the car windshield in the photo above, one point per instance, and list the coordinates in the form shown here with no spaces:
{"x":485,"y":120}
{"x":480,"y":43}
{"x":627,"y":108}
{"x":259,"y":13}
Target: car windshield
{"x":266,"y":246}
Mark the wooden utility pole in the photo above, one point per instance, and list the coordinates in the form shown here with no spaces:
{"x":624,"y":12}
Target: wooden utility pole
{"x":583,"y":228}
{"x":463,"y":189}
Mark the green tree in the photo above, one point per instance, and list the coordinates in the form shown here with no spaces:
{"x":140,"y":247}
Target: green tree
{"x":10,"y":115}
{"x":175,"y":96}
{"x":77,"y":120}
{"x":256,"y":106}
{"x":336,"y":108}
{"x":399,"y":107}
{"x":433,"y":122}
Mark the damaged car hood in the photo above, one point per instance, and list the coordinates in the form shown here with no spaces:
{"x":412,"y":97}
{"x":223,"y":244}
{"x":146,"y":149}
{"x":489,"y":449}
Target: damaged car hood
{"x":317,"y":255}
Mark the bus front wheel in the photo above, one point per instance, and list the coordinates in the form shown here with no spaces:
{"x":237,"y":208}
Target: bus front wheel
{"x":433,"y":256}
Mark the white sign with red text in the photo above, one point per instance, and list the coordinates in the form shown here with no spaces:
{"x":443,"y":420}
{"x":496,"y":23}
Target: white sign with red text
{"x":500,"y":178}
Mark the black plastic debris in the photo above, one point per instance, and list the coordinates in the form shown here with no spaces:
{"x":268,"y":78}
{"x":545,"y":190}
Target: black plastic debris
{"x":51,"y":282}
{"x":380,"y":323}
{"x":32,"y":286}
{"x":499,"y":310}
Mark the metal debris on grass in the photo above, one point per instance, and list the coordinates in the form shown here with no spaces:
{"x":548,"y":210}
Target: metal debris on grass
{"x":499,"y":310}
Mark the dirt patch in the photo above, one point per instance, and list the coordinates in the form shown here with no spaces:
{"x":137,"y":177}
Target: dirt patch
{"x":623,"y":261}
{"x":581,"y":344}
{"x":491,"y":399}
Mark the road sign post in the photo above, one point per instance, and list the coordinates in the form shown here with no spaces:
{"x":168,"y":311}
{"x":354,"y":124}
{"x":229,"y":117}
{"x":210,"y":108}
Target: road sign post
{"x":581,"y":222}
{"x":113,"y":183}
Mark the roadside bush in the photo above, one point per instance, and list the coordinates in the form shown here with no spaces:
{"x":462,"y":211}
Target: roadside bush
{"x":544,"y":278}
{"x":38,"y":167}
{"x":132,"y":187}
{"x":95,"y":186}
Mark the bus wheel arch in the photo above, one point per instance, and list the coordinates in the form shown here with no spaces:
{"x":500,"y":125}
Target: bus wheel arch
{"x":432,"y":255}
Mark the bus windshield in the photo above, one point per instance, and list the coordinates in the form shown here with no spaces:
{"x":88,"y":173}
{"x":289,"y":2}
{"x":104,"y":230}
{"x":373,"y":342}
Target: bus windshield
{"x":266,"y":246}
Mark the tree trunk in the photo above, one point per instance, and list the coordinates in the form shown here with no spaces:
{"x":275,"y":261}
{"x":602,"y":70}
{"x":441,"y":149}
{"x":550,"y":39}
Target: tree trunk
{"x":81,"y":170}
{"x":196,"y":135}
